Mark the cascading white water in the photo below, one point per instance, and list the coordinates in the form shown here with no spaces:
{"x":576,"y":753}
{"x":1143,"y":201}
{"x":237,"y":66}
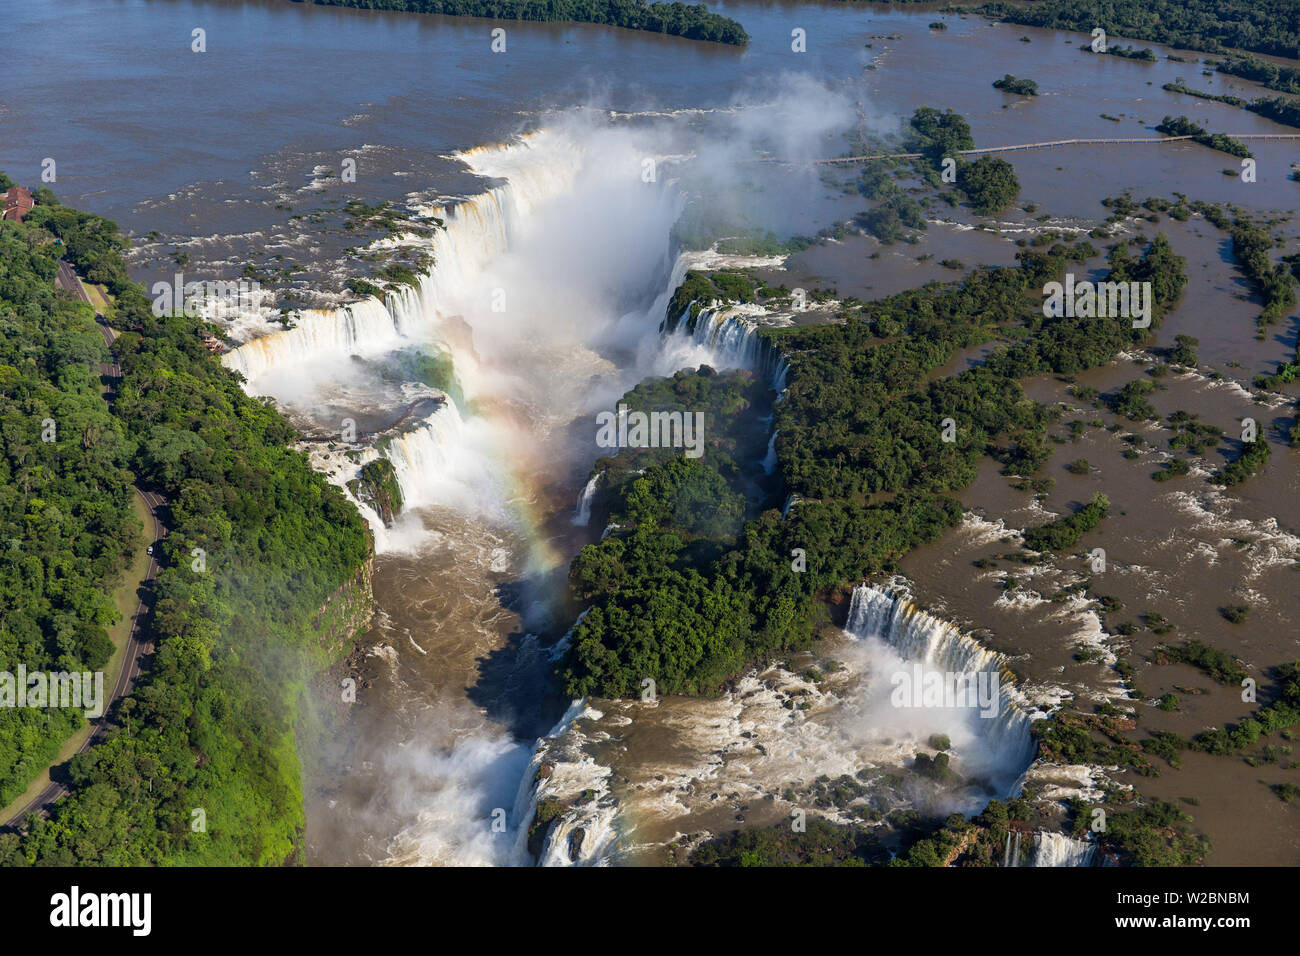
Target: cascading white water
{"x":425,"y":454}
{"x":1011,"y":852}
{"x":723,"y":336}
{"x":432,"y":462}
{"x":475,"y":231}
{"x":780,"y":375}
{"x":940,"y":647}
{"x":1056,"y":849}
{"x":729,"y":336}
{"x":590,"y":245}
{"x":584,"y":834}
{"x":769,"y":460}
{"x":582,"y":514}
{"x":363,"y":327}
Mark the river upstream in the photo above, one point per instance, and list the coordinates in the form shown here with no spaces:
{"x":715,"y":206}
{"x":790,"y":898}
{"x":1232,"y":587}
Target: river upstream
{"x":549,"y":186}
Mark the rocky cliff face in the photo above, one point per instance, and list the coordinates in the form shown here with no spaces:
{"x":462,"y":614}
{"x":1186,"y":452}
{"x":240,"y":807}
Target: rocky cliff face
{"x":348,"y":611}
{"x":379,"y":488}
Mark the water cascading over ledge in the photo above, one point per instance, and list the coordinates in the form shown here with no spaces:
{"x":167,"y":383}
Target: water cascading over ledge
{"x":729,"y":333}
{"x":940,"y":646}
{"x":475,"y":231}
{"x":1058,"y":849}
{"x":364,"y":327}
{"x":565,"y":815}
{"x":582,"y":513}
{"x":425,"y":453}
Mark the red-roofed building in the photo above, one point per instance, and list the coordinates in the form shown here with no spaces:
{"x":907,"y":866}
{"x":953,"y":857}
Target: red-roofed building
{"x":17,"y":203}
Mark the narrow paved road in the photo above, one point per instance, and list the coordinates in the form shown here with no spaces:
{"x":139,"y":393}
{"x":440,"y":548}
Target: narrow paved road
{"x":136,"y":645}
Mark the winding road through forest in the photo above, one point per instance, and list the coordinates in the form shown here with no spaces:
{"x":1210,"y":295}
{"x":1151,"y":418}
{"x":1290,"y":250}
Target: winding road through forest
{"x":136,"y":644}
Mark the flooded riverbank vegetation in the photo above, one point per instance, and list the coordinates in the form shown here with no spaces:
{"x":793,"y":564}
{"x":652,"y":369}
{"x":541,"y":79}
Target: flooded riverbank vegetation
{"x":863,"y":457}
{"x":810,"y":449}
{"x":693,"y":22}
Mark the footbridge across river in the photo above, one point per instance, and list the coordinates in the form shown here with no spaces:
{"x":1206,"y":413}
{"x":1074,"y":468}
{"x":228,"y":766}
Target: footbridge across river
{"x":1049,"y":144}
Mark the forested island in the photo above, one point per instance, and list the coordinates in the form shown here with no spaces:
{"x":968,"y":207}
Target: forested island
{"x":1182,"y":126}
{"x":1261,"y":26}
{"x":701,"y":575}
{"x":860,"y":446}
{"x":693,"y":22}
{"x":264,"y":576}
{"x":1013,"y":84}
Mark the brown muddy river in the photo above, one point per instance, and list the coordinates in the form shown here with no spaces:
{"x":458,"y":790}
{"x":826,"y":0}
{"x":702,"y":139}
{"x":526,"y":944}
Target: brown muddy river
{"x":547,"y":292}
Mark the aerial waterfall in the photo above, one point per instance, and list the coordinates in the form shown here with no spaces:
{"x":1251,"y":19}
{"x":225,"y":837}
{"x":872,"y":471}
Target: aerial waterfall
{"x":769,"y":460}
{"x":582,"y":515}
{"x":940,"y":648}
{"x":426,"y":456}
{"x":1056,"y":849}
{"x":585,"y":833}
{"x":368,"y":326}
{"x":475,"y":230}
{"x":724,"y":336}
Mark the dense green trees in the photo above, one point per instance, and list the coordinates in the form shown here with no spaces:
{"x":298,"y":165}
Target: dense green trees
{"x":1066,"y":345}
{"x":1065,"y":532}
{"x":1145,"y":54}
{"x":1253,"y":457}
{"x":938,"y":135}
{"x":1278,"y":109}
{"x":1264,"y":26}
{"x":1020,"y":85}
{"x":676,"y":19}
{"x":819,"y":844}
{"x":66,"y":526}
{"x":1251,"y":245}
{"x":1182,"y":126}
{"x":660,"y":607}
{"x":858,"y":417}
{"x":377,"y":486}
{"x":989,"y":183}
{"x":1284,"y":79}
{"x":1282,"y":713}
{"x":681,"y":592}
{"x":1202,"y":95}
{"x":1131,"y":400}
{"x":897,"y":210}
{"x":258,"y":545}
{"x":888,"y":221}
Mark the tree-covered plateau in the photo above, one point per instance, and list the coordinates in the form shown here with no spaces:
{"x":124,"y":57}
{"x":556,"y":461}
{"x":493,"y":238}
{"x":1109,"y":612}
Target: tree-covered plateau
{"x":700,"y":576}
{"x":209,"y":731}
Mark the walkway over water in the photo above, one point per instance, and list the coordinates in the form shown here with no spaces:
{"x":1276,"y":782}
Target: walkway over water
{"x":1106,"y":141}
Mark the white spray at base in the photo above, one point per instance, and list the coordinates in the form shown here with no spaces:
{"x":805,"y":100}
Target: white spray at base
{"x":940,"y":647}
{"x":298,"y":365}
{"x":469,"y":765}
{"x":582,"y":514}
{"x":725,"y":336}
{"x":775,"y":732}
{"x":560,"y":774}
{"x":1052,"y":848}
{"x":465,"y":817}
